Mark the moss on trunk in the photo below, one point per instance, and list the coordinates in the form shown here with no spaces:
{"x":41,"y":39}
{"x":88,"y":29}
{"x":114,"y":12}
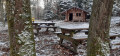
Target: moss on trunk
{"x":20,"y":28}
{"x":98,"y":39}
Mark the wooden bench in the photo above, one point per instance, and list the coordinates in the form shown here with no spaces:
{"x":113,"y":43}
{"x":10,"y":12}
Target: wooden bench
{"x":43,"y":23}
{"x":47,"y":27}
{"x":112,"y":35}
{"x":58,"y":32}
{"x":117,"y":44}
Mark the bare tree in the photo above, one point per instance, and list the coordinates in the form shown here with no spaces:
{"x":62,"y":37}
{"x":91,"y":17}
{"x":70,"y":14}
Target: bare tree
{"x":98,"y":39}
{"x":20,"y":28}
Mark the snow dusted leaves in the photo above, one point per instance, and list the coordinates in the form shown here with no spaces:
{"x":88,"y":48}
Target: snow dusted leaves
{"x":26,"y":50}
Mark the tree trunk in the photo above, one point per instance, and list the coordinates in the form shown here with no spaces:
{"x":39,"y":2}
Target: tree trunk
{"x":1,"y":11}
{"x":98,"y":39}
{"x":118,"y":4}
{"x":20,"y":28}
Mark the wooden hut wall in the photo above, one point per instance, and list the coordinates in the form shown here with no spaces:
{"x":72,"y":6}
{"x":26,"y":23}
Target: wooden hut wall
{"x":75,"y":17}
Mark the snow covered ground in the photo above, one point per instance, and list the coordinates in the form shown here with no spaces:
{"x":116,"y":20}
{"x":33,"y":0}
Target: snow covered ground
{"x":47,"y":42}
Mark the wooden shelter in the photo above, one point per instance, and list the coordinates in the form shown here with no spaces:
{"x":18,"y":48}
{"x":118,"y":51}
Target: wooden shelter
{"x":75,"y":14}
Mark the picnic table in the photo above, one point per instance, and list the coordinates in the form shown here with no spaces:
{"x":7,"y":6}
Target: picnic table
{"x":47,"y":25}
{"x":68,"y":33}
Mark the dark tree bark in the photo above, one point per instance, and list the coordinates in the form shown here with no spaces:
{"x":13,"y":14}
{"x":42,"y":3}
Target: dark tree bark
{"x":20,"y":28}
{"x":98,"y":39}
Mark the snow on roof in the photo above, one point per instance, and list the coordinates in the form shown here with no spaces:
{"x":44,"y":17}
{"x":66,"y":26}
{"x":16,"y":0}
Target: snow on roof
{"x":74,"y":7}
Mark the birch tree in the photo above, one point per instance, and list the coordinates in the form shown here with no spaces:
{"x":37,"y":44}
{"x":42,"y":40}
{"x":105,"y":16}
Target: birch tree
{"x":20,"y":28}
{"x":98,"y":38}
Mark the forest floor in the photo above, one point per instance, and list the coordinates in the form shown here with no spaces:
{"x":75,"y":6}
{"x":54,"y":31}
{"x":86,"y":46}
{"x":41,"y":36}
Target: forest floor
{"x":47,"y":42}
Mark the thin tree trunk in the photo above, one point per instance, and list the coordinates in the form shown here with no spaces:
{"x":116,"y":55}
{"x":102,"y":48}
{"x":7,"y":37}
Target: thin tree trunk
{"x":1,"y":12}
{"x":98,"y":39}
{"x":20,"y":28}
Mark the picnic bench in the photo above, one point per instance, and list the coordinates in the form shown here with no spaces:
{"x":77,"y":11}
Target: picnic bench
{"x":46,"y":25}
{"x":69,"y":34}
